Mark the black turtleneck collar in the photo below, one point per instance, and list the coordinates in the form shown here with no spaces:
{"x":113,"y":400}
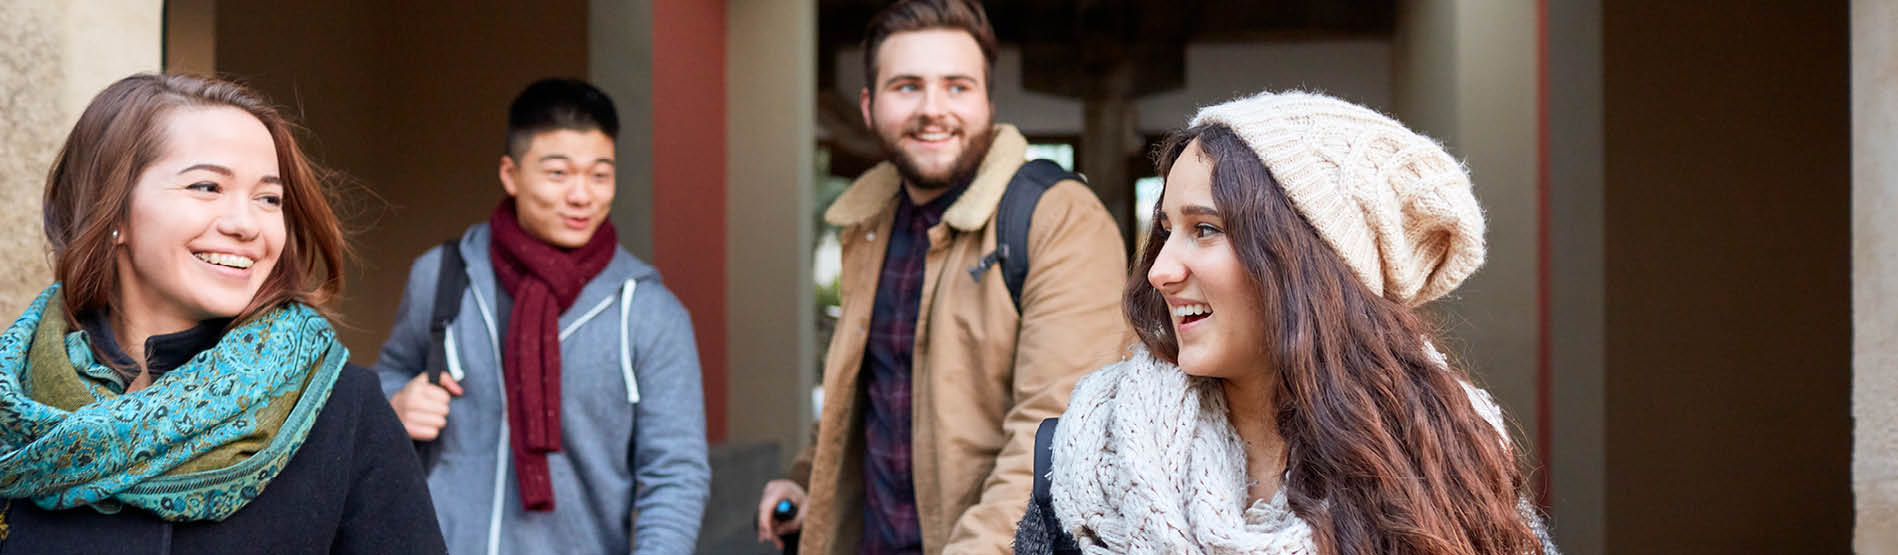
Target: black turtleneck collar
{"x":162,"y":352}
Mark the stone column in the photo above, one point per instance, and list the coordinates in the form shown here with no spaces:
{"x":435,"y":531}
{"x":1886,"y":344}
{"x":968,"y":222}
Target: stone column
{"x":54,"y":56}
{"x":619,"y":61}
{"x":1110,"y":116}
{"x":1465,"y":74}
{"x":1875,"y":275}
{"x":771,"y":99}
{"x":1577,"y":469}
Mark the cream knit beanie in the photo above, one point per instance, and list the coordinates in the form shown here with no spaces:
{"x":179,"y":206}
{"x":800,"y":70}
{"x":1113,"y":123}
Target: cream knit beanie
{"x":1391,"y":202}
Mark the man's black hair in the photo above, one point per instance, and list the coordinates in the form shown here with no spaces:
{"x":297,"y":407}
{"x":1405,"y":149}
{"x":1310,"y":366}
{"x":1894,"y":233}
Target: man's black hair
{"x":554,"y":104}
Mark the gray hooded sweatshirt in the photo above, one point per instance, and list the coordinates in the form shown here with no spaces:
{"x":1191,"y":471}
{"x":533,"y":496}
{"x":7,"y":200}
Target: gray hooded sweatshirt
{"x":632,"y":414}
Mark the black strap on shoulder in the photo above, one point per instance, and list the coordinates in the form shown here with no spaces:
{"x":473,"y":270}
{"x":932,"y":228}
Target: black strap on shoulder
{"x":449,"y":283}
{"x":1043,"y":497}
{"x":1044,"y":462}
{"x":1014,"y":218}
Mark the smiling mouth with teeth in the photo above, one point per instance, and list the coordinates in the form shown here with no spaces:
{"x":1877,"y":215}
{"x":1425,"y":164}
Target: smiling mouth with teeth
{"x":228,"y":260}
{"x":1192,"y":313}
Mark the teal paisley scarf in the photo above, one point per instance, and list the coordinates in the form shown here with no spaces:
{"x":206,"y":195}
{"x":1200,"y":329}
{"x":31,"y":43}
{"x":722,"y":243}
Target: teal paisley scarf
{"x":196,"y":445}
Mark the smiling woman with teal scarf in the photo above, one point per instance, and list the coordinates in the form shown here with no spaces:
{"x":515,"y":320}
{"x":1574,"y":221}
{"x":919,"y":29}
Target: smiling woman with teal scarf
{"x":180,"y":388}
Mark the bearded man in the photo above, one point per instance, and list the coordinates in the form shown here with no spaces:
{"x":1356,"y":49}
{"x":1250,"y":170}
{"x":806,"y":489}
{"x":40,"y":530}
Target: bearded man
{"x":938,"y":375}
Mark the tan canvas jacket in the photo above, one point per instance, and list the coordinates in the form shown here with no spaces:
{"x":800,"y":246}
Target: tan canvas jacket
{"x":984,"y":377}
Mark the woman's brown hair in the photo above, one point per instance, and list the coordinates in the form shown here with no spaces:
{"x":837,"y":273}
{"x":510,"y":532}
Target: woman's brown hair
{"x":1385,"y":453}
{"x":120,"y":134}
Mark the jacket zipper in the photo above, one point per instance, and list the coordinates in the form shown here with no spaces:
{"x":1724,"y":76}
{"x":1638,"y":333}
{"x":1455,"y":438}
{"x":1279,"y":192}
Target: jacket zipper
{"x":494,"y":342}
{"x":501,"y":453}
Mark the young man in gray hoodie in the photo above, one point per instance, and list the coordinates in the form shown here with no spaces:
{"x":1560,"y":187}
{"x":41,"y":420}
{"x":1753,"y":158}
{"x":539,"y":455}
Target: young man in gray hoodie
{"x":564,"y":397}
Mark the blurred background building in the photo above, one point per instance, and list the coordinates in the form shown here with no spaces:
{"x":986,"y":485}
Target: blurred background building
{"x":1691,"y":301}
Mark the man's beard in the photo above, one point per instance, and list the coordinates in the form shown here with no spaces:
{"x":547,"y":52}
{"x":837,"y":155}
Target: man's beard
{"x":964,"y":168}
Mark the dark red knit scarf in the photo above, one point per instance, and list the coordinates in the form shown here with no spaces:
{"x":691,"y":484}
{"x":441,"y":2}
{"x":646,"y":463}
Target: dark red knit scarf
{"x":544,"y":281}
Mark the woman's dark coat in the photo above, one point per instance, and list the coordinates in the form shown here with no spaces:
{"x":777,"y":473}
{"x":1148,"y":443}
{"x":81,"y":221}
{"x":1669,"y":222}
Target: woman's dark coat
{"x":355,"y":486}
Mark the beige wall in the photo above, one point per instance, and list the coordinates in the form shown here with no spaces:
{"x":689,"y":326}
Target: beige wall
{"x":1465,"y":75}
{"x":410,"y":100}
{"x":1728,"y":266}
{"x":54,"y":56}
{"x":770,"y":73}
{"x":1875,"y":274}
{"x":105,"y":40}
{"x":30,"y":45}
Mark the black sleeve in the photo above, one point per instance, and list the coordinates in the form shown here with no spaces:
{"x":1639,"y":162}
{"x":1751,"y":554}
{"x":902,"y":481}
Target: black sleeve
{"x":388,"y":509}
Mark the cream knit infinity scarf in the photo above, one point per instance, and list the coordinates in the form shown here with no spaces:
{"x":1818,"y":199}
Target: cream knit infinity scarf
{"x":1146,"y":462}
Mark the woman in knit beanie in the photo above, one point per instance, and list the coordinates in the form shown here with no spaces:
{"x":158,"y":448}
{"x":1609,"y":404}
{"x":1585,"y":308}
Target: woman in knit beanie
{"x":1286,"y":397}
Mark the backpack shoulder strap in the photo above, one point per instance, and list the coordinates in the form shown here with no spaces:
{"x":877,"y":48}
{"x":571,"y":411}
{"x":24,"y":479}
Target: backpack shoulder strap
{"x":450,"y":282}
{"x":1017,"y":214}
{"x":1044,"y":462}
{"x":1041,"y":502}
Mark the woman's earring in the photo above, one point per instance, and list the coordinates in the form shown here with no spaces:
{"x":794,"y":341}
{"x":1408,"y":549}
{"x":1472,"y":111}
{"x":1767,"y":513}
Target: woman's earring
{"x":115,"y":235}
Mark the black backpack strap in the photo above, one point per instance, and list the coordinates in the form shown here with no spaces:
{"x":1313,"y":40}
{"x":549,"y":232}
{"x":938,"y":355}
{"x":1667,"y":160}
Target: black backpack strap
{"x":1044,"y":462}
{"x":450,"y":281}
{"x":1043,"y":498}
{"x":1013,"y":219}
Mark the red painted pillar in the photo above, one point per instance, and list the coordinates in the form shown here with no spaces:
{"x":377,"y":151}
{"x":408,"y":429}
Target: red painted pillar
{"x":688,"y":177}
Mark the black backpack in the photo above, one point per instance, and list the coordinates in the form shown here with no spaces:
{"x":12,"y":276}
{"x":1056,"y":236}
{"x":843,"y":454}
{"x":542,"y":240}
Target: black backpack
{"x":1012,"y":220}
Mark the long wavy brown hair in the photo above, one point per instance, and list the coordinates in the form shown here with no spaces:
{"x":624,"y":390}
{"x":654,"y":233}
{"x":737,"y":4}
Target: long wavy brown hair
{"x":1385,"y":453}
{"x":120,"y":134}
